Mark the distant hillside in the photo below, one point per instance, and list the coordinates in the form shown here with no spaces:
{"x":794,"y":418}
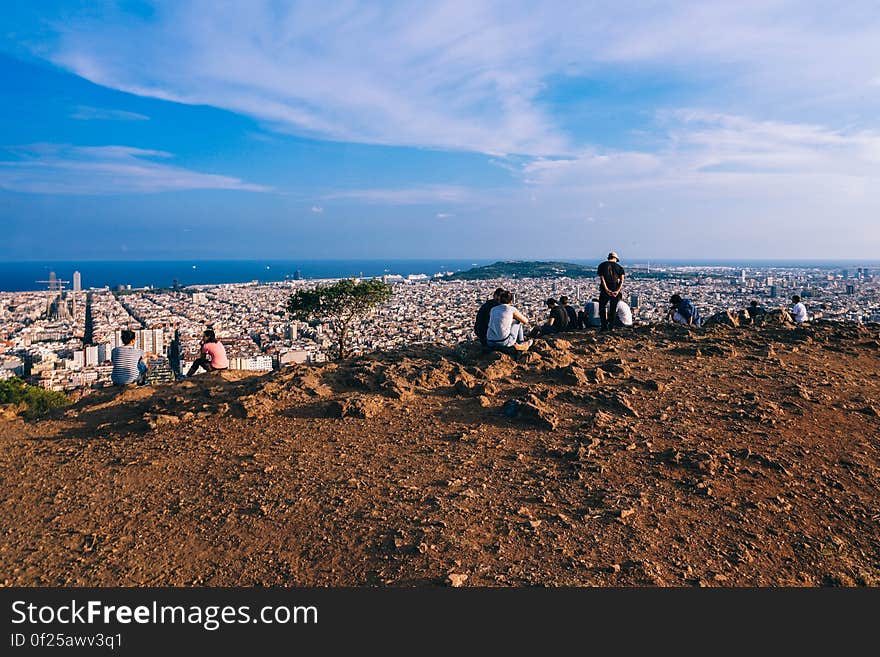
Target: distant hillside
{"x":520,"y":269}
{"x":532,"y":269}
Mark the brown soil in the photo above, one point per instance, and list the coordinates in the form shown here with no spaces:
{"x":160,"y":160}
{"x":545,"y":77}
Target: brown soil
{"x":722,"y":457}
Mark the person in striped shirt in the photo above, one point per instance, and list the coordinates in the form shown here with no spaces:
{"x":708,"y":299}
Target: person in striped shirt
{"x":129,"y":362}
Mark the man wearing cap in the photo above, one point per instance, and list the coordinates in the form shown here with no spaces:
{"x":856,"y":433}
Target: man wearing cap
{"x":611,"y":277}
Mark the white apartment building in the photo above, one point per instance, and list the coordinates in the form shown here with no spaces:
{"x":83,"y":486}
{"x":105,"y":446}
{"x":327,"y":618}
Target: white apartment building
{"x":91,"y":356}
{"x":251,"y":363}
{"x":150,"y":340}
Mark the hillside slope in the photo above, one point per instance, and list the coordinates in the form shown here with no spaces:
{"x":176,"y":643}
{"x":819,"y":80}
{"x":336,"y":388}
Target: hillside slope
{"x":524,"y":269}
{"x":722,"y":457}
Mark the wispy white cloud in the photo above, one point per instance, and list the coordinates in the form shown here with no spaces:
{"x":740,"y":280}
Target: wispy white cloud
{"x":103,"y":170}
{"x":702,"y":147}
{"x":719,"y":184}
{"x":317,"y":209}
{"x":416,"y":195}
{"x":468,"y":74}
{"x":89,"y":113}
{"x":444,"y":215}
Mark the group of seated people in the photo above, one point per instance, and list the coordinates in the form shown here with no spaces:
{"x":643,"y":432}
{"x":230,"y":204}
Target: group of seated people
{"x":501,"y":325}
{"x":131,"y":364}
{"x":684,"y":311}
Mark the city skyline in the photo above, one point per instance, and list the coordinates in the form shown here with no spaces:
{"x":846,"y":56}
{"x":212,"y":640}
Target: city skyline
{"x":63,"y":345}
{"x":665,"y":131}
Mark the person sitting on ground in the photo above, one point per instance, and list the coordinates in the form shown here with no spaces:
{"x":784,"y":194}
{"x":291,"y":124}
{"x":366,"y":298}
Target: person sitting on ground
{"x":755,"y":311}
{"x":589,"y":316}
{"x":722,"y":318}
{"x":556,"y":322}
{"x":507,"y":325}
{"x":213,"y":356}
{"x":683,"y":311}
{"x":798,"y":311}
{"x":130,"y":364}
{"x":623,"y":314}
{"x":481,"y":325}
{"x":573,"y":323}
{"x":174,"y":355}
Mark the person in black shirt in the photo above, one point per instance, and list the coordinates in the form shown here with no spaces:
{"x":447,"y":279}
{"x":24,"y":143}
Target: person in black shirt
{"x":174,"y":354}
{"x":557,"y":321}
{"x":754,"y":311}
{"x":573,"y":322}
{"x":481,"y":325}
{"x":611,"y":277}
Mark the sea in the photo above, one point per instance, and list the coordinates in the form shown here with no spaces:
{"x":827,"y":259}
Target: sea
{"x":24,"y":276}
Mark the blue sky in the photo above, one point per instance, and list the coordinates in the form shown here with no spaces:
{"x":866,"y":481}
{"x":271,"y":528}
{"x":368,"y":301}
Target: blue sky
{"x":137,"y":130}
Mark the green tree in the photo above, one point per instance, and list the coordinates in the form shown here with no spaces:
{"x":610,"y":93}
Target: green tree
{"x":339,"y":303}
{"x":37,"y":401}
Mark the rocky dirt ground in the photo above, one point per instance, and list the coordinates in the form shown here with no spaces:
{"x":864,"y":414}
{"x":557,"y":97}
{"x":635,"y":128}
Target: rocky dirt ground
{"x":659,"y":456}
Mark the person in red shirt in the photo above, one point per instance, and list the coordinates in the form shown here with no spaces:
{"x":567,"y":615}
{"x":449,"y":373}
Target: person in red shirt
{"x":213,"y":355}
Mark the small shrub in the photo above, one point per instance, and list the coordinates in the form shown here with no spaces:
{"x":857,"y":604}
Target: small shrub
{"x":38,"y":401}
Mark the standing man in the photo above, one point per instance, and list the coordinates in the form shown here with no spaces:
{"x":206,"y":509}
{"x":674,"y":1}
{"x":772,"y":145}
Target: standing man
{"x":611,"y":277}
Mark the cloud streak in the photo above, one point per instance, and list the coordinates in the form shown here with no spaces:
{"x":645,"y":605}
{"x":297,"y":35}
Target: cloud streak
{"x":701,"y":147}
{"x":416,"y":195}
{"x":104,"y":170}
{"x":89,"y":113}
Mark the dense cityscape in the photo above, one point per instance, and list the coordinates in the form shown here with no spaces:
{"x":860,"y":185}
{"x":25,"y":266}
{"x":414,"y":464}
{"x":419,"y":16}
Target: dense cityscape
{"x":61,"y":339}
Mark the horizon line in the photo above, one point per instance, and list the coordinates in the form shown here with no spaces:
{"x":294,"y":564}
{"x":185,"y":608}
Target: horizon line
{"x":559,"y":259}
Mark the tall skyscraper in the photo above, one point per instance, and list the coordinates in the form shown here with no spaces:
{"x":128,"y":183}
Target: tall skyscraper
{"x":773,"y":292}
{"x":77,"y":281}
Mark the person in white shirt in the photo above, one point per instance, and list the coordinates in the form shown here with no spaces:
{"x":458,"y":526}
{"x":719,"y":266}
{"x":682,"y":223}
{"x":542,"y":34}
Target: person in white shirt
{"x":624,"y":314}
{"x":798,"y":311}
{"x":507,"y":325}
